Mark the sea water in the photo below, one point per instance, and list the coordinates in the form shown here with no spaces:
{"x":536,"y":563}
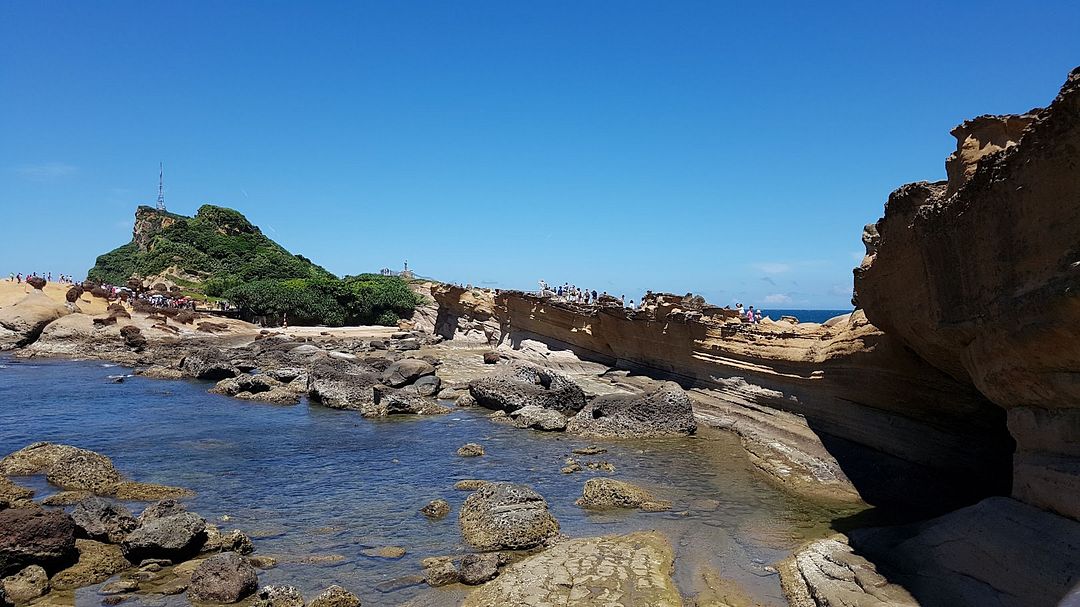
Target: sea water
{"x":314,"y":487}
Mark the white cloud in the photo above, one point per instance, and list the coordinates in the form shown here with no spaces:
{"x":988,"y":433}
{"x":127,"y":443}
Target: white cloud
{"x":771,"y":267}
{"x":46,"y":171}
{"x":778,"y":298}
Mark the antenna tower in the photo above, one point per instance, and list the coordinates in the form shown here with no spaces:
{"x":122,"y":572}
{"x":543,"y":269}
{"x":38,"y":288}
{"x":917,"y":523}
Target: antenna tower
{"x":161,"y":187}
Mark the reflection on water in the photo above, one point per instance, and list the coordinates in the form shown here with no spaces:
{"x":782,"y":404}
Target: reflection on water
{"x":314,"y":487}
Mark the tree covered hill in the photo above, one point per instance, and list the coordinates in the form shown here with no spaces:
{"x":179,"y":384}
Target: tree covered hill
{"x":219,"y":253}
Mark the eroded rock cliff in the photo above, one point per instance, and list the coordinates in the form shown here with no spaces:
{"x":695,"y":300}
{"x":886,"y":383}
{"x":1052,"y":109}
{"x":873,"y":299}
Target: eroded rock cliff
{"x":980,"y":277}
{"x":838,"y":411}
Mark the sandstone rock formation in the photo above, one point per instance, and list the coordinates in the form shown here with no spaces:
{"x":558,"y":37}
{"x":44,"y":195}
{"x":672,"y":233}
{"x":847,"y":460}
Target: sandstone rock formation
{"x":29,"y":316}
{"x":824,"y":410}
{"x":628,"y":570}
{"x":607,"y":493}
{"x":979,"y":277}
{"x":506,"y":516}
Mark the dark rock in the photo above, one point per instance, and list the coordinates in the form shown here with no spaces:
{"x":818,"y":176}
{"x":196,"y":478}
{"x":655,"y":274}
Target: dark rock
{"x":342,"y":384}
{"x":98,"y":519}
{"x":478,"y":568}
{"x":208,"y":364}
{"x":176,"y":537}
{"x":526,"y":384}
{"x":470,"y":450}
{"x":73,"y":294}
{"x":428,"y":385}
{"x":37,"y":282}
{"x":31,"y":536}
{"x":506,"y":516}
{"x":406,"y":371}
{"x":161,"y":509}
{"x":223,"y":578}
{"x":492,"y":357}
{"x":666,"y":412}
{"x":437,"y":509}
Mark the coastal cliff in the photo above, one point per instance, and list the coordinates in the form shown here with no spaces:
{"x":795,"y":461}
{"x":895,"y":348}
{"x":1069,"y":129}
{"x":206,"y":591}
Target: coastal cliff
{"x":877,"y":405}
{"x":980,"y":277}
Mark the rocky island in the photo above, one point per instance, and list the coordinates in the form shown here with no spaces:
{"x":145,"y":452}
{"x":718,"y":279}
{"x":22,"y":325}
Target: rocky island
{"x":936,"y":424}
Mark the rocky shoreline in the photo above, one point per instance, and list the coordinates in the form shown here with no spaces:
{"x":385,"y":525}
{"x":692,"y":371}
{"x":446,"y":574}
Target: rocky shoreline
{"x":948,"y":396}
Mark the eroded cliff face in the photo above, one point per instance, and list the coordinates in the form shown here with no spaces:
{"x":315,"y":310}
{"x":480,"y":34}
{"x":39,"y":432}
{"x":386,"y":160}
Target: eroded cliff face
{"x":980,"y":277}
{"x":879,"y":406}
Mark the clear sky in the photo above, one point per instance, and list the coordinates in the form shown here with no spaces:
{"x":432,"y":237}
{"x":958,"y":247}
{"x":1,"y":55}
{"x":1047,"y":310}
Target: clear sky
{"x":729,"y":149}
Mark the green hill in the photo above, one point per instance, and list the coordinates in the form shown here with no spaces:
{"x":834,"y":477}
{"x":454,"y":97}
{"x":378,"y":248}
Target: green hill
{"x":219,"y":253}
{"x":216,"y":248}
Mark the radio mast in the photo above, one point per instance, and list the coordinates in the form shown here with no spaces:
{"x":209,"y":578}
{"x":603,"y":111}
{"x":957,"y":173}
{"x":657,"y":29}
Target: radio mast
{"x":161,"y":187}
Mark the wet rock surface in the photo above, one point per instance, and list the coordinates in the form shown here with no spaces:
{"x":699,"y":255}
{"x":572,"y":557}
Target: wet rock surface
{"x":175,"y":537}
{"x":622,"y":571}
{"x":102,"y":520}
{"x":607,"y":493}
{"x":336,"y":596}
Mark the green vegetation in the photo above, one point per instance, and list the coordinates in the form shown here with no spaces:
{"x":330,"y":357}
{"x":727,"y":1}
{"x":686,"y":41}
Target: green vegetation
{"x":365,"y":299}
{"x":235,"y":261}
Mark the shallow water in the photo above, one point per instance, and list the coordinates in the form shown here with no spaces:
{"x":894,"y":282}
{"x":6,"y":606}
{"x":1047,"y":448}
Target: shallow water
{"x":314,"y":486}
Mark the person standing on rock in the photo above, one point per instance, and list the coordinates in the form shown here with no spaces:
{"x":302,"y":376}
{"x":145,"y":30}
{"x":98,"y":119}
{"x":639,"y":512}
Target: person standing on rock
{"x":739,"y":310}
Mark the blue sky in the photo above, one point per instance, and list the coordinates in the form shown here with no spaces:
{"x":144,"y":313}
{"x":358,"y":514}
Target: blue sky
{"x":730,"y":150}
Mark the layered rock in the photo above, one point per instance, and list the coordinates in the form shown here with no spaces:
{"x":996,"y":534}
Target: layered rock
{"x":980,"y":277}
{"x":632,"y":569}
{"x":29,"y":316}
{"x":852,"y":400}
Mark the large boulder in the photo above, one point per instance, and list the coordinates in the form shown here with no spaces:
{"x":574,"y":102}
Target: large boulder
{"x":538,"y":418}
{"x":102,"y":520}
{"x":209,"y":364}
{"x":31,"y":536}
{"x":176,"y":537}
{"x":340,"y":384}
{"x":667,"y":411}
{"x":506,"y":516}
{"x":525,"y":384}
{"x":223,"y":578}
{"x":406,"y":371}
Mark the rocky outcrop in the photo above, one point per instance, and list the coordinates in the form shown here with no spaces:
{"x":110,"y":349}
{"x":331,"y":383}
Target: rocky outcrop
{"x":607,"y":493}
{"x":101,"y":520}
{"x":96,"y":563}
{"x":468,"y":314}
{"x":525,"y":384}
{"x":29,"y":316}
{"x":223,"y":578}
{"x":506,"y":516}
{"x":32,"y":536}
{"x":664,"y":412}
{"x":632,"y":569}
{"x":26,"y":585}
{"x":980,"y":278}
{"x":175,"y":537}
{"x":825,"y":409}
{"x":335,"y":596}
{"x":998,"y":552}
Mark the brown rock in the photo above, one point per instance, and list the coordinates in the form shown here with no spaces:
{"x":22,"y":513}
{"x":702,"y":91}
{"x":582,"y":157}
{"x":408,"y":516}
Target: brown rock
{"x":97,"y":563}
{"x":31,"y":536}
{"x":335,"y":596}
{"x":436,"y":509}
{"x":26,"y":585}
{"x":223,"y":578}
{"x":506,"y":516}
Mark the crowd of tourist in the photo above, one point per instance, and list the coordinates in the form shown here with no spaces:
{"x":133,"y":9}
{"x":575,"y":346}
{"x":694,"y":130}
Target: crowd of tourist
{"x":573,"y":294}
{"x":19,"y":277}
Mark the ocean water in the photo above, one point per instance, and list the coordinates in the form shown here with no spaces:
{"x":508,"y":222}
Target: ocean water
{"x":314,"y":486}
{"x":803,"y":315}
